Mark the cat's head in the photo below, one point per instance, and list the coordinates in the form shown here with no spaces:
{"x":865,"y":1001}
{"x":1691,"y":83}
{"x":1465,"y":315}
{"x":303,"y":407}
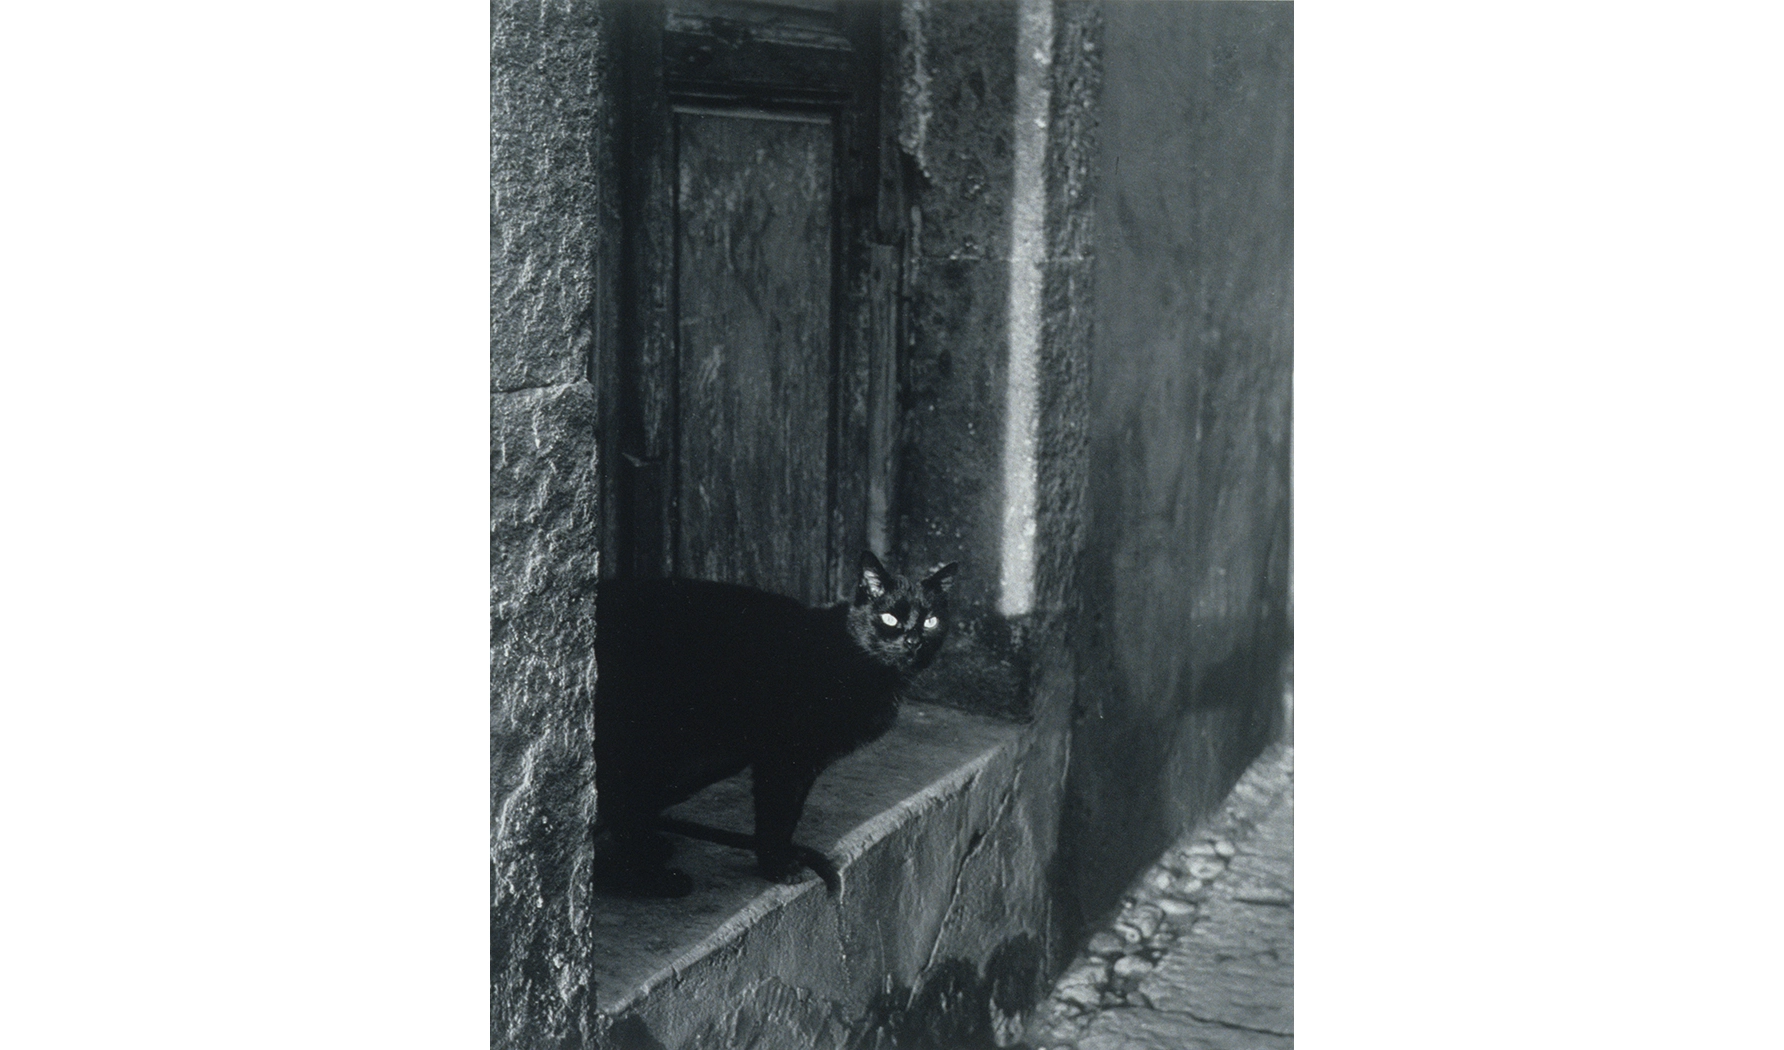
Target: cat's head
{"x":896,"y":622}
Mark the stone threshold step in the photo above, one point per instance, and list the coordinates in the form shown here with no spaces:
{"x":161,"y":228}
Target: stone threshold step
{"x":892,"y":817}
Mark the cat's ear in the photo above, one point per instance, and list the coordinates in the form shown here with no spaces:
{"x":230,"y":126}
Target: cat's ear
{"x":875,"y":580}
{"x":942,"y":578}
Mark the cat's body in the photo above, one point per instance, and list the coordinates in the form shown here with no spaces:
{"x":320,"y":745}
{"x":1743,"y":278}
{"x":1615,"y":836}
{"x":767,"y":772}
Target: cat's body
{"x":698,"y":681}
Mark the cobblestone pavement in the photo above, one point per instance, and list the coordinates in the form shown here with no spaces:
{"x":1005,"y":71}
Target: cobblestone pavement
{"x":1201,"y":955}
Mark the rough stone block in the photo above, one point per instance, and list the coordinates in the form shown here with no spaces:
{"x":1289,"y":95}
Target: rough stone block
{"x":1205,"y":868}
{"x":543,"y":544}
{"x":542,"y":554}
{"x":548,"y":153}
{"x":1144,"y":917}
{"x":1084,"y":995}
{"x":967,"y":128}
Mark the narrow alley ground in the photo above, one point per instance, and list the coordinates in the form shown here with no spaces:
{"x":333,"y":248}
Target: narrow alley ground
{"x":1201,"y":955}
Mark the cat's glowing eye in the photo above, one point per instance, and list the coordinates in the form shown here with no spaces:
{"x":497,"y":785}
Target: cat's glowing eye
{"x":889,"y":620}
{"x":931,"y":623}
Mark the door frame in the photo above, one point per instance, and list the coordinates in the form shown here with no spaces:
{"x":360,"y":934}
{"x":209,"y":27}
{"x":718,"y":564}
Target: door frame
{"x":665,"y":58}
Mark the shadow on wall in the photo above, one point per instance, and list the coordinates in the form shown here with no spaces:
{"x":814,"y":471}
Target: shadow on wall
{"x":957,"y":1005}
{"x":1137,"y":782}
{"x":1254,"y":674}
{"x":1242,"y":692}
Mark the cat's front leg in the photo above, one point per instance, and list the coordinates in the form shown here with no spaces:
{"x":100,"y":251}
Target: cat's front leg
{"x":780,"y":788}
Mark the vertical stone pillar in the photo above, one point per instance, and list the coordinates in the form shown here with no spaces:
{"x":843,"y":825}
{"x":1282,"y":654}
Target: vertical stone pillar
{"x":543,"y":563}
{"x":550,"y":150}
{"x":997,"y":117}
{"x":958,"y":103}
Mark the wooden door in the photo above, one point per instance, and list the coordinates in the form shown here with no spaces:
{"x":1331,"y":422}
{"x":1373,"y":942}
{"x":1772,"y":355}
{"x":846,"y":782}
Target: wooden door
{"x":749,"y":381}
{"x":755,"y":348}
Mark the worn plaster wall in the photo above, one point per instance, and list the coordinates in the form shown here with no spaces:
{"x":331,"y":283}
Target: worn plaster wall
{"x":549,"y":207}
{"x":1183,"y":582}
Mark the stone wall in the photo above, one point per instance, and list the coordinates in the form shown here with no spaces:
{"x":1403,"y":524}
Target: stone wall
{"x":549,"y":120}
{"x":1183,"y":581}
{"x":1153,"y":650}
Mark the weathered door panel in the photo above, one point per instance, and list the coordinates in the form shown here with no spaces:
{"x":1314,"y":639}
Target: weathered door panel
{"x":754,"y":294}
{"x":749,"y":394}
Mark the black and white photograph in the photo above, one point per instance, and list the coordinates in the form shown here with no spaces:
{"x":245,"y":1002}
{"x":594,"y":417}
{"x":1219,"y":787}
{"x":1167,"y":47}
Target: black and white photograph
{"x":892,"y":527}
{"x":889,"y":525}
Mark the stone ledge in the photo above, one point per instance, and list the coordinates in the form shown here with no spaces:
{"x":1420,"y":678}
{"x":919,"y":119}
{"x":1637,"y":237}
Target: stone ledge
{"x":902,"y":819}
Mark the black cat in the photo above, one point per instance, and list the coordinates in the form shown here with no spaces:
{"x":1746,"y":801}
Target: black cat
{"x":698,"y":681}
